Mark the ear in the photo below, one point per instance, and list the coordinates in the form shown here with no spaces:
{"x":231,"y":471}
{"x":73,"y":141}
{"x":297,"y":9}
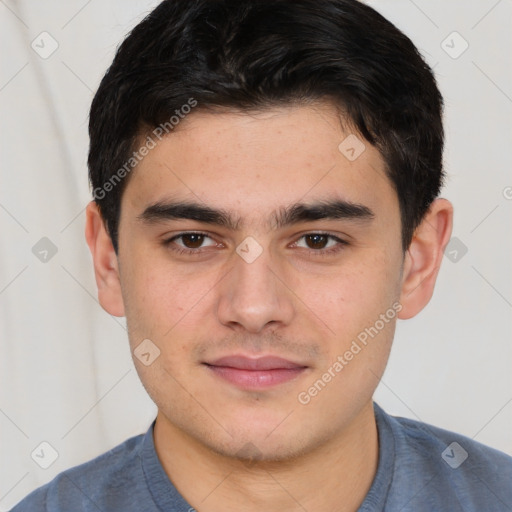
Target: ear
{"x":106,"y":266}
{"x":423,"y":258}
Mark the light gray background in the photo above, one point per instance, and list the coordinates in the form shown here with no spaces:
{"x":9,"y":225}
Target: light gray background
{"x":66,"y":373}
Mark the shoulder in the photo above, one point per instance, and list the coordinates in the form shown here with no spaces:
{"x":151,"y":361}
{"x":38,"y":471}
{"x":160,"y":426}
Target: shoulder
{"x":440,"y":466}
{"x":451,"y":448}
{"x":89,"y":485}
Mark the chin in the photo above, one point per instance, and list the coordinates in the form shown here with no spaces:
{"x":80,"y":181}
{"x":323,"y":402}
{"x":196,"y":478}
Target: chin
{"x":251,"y":452}
{"x":252,"y":434}
{"x":266,"y":442}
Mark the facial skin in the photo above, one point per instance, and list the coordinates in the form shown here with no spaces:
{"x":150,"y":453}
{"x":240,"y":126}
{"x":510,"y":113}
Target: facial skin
{"x":295,"y":301}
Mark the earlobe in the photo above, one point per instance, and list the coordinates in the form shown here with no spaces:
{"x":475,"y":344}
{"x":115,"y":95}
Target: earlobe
{"x":106,"y":269}
{"x":424,"y":256}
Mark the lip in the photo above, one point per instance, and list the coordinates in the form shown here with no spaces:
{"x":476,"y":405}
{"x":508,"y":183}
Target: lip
{"x":255,"y":373}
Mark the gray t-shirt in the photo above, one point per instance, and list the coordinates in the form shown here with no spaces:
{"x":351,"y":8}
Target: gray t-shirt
{"x":420,"y":468}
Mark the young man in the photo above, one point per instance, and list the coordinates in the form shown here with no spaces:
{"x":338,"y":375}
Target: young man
{"x":266,"y":177}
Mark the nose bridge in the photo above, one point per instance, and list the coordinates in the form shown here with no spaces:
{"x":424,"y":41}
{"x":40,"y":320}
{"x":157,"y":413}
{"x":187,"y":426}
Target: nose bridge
{"x":254,"y":277}
{"x":251,"y":295}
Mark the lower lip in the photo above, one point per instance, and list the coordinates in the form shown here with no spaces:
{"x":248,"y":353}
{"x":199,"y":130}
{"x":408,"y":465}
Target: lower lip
{"x":256,"y":379}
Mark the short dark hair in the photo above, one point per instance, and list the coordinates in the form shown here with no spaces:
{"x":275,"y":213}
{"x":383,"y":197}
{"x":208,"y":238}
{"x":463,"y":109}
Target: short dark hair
{"x":258,"y":54}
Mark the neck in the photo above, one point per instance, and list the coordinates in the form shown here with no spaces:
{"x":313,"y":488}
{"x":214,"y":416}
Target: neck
{"x":335,"y":476}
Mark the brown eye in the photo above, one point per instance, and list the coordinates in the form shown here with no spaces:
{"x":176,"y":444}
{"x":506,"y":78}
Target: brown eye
{"x":321,"y":244}
{"x":316,"y":241}
{"x":192,"y":240}
{"x":190,"y":243}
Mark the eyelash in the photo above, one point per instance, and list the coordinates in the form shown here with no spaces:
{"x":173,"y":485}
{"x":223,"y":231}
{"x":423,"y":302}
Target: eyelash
{"x":316,"y":252}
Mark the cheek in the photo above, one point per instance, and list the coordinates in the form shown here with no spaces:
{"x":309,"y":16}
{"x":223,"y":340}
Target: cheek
{"x":162,"y":300}
{"x":149,"y":297}
{"x":353,"y":296}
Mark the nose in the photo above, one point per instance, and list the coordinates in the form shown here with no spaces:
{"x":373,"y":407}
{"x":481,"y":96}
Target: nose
{"x":253,"y":295}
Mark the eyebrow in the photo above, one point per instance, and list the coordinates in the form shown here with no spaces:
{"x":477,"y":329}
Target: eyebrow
{"x":162,"y":211}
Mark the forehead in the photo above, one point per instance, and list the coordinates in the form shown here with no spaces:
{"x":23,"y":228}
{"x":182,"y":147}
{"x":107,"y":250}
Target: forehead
{"x":256,"y":162}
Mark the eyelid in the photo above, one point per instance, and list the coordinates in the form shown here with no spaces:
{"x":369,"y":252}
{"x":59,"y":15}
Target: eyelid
{"x":317,"y":252}
{"x":181,"y":249}
{"x":323,"y":252}
{"x":185,"y":233}
{"x":327,"y":235}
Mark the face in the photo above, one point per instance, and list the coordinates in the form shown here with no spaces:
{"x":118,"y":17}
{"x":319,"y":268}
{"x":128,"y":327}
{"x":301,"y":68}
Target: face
{"x":264,"y":264}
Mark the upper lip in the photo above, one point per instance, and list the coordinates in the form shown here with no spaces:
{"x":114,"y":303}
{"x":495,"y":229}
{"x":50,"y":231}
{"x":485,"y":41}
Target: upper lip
{"x":251,"y":363}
